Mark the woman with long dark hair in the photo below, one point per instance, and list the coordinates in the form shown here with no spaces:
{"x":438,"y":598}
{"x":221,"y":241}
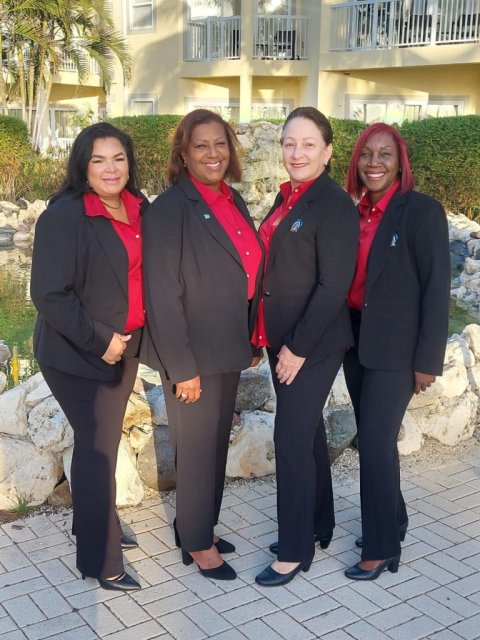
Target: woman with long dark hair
{"x":87,"y":287}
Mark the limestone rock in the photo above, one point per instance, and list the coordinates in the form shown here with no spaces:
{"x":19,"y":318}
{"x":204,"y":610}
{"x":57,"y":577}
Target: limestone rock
{"x":138,"y":412}
{"x":3,"y":381}
{"x":450,"y":421}
{"x":341,"y":429}
{"x":22,"y":238}
{"x":39,"y":394}
{"x":254,"y":389}
{"x":410,"y":438}
{"x":5,"y":353}
{"x":156,"y":400}
{"x":13,"y":413}
{"x":339,"y":393}
{"x":32,"y":383}
{"x":129,"y":486}
{"x":458,"y":350}
{"x":471,"y":334}
{"x":9,"y":209}
{"x":156,"y":461}
{"x":251,"y":452}
{"x":139,"y":437}
{"x":48,"y":427}
{"x":61,"y":496}
{"x":26,"y":473}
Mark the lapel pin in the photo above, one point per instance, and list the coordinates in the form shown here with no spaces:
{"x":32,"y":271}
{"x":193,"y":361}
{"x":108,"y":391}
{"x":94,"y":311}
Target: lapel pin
{"x":394,"y":240}
{"x":206,"y":216}
{"x":296,"y":225}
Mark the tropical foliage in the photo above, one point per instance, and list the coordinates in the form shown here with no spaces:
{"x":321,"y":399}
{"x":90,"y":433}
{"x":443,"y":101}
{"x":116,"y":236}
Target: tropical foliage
{"x":38,"y":36}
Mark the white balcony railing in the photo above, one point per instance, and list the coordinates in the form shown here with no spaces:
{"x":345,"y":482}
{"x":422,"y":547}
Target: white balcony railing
{"x":213,"y":38}
{"x":275,"y":37}
{"x":381,"y":24}
{"x":280,"y":37}
{"x":68,"y":64}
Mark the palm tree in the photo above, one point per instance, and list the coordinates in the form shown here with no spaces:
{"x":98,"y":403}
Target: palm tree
{"x":48,"y":31}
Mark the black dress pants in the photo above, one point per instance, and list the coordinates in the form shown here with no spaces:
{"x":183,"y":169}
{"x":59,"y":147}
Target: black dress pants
{"x":200,"y":434}
{"x":304,"y":482}
{"x":95,"y":410}
{"x":380,"y":399}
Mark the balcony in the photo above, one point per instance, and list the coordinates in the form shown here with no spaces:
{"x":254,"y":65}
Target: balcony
{"x":386,"y":24}
{"x":274,"y":38}
{"x":68,"y":64}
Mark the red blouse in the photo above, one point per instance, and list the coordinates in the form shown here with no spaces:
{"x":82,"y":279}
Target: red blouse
{"x":131,"y":237}
{"x":370,"y":218}
{"x":236,"y":227}
{"x":290,"y":197}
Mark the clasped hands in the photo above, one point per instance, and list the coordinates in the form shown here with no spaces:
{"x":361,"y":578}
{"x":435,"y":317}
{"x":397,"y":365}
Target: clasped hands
{"x":115,"y":349}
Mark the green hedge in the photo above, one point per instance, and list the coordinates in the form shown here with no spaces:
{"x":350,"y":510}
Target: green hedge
{"x":151,"y":135}
{"x":445,"y":156}
{"x":345,"y":134}
{"x":15,"y":151}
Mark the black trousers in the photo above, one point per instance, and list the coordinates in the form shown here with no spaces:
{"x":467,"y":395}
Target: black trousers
{"x":200,"y":433}
{"x":95,"y":410}
{"x":304,"y":482}
{"x":380,"y":399}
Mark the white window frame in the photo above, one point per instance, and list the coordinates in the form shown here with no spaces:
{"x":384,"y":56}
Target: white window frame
{"x":142,"y":97}
{"x":132,"y":5}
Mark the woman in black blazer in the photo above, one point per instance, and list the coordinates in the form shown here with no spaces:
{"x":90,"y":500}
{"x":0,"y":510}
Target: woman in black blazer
{"x":203,"y":264}
{"x":399,"y":305}
{"x":87,"y":287}
{"x":311,"y":236}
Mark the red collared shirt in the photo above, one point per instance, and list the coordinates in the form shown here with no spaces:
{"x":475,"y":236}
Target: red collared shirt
{"x":370,"y":218}
{"x":131,"y":237}
{"x":236,"y":227}
{"x":290,"y":197}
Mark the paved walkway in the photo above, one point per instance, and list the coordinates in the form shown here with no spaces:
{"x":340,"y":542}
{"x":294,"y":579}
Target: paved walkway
{"x":435,"y":594}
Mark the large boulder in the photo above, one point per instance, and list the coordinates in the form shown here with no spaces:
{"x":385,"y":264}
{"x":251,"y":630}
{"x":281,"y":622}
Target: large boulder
{"x":48,"y":427}
{"x":38,"y":394}
{"x":156,"y":401}
{"x":251,"y":453}
{"x":156,"y":461}
{"x":138,"y":412}
{"x":27,"y":474}
{"x":3,"y":381}
{"x":340,"y":427}
{"x":13,"y":412}
{"x":253,"y":390}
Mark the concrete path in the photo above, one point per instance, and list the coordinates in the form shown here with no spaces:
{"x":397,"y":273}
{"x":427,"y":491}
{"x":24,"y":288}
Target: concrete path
{"x":435,"y":594}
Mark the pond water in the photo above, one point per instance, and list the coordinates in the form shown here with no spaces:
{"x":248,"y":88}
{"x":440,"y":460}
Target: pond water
{"x":17,"y":314}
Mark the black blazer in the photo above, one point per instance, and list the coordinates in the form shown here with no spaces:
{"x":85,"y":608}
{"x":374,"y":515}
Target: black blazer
{"x":79,"y":287}
{"x":199,"y":320}
{"x":407,"y":294}
{"x":310,"y":267}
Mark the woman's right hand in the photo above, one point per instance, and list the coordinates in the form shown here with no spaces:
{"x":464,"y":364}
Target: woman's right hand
{"x":188,"y":390}
{"x":115,"y":350}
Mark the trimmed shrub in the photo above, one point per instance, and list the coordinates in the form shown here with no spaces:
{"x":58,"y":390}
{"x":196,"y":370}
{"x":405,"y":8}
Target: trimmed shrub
{"x":15,"y":150}
{"x":151,"y":135}
{"x":345,"y":134}
{"x":445,"y":156}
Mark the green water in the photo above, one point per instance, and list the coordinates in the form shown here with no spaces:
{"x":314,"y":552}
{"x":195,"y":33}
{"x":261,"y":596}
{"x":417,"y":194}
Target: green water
{"x":17,"y":313}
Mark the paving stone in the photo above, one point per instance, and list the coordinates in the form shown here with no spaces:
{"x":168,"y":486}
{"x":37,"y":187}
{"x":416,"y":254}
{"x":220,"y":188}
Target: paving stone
{"x":181,"y":627}
{"x":286,"y":627}
{"x":421,"y":627}
{"x":235,"y":599}
{"x":101,"y":619}
{"x":441,"y":529}
{"x":465,"y":549}
{"x":23,"y":587}
{"x":435,"y":610}
{"x":468,"y":629}
{"x":459,"y":569}
{"x":394,"y":616}
{"x":282,"y":598}
{"x":446,"y":634}
{"x":311,"y":608}
{"x":455,"y":602}
{"x":207,"y":619}
{"x":14,"y":635}
{"x":128,"y":611}
{"x":466,"y":586}
{"x":231,"y":634}
{"x":158,"y":592}
{"x":424,"y":567}
{"x":250,"y":611}
{"x":354,"y":601}
{"x":330,"y":621}
{"x":55,"y":626}
{"x":258,"y":630}
{"x":413,"y":588}
{"x":362,"y":630}
{"x":51,"y":602}
{"x":56,"y":572}
{"x":143,"y":631}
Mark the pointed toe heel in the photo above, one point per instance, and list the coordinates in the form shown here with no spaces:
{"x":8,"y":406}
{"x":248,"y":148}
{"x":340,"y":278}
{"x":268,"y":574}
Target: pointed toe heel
{"x":122,"y":583}
{"x":128,"y":543}
{"x":357,"y":573}
{"x":306,"y":566}
{"x":325,"y":542}
{"x":223,"y":572}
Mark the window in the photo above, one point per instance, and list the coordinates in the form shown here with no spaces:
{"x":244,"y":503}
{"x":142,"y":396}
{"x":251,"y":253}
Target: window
{"x":228,"y":111}
{"x":201,"y":9}
{"x":140,"y":14}
{"x":444,"y":108}
{"x":142,"y":106}
{"x":276,"y":7}
{"x":392,"y":110}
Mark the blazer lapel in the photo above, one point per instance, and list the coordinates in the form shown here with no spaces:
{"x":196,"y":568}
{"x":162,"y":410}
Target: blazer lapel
{"x":297,"y":211}
{"x":208,"y":219}
{"x":113,"y":247}
{"x":384,"y":238}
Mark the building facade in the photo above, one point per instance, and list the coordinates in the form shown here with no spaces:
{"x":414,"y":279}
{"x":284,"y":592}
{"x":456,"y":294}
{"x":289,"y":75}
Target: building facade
{"x":390,"y":60}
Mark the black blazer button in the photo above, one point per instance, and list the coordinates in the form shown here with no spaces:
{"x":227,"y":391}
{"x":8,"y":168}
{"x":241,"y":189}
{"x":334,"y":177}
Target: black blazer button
{"x":365,"y":305}
{"x":266,"y":293}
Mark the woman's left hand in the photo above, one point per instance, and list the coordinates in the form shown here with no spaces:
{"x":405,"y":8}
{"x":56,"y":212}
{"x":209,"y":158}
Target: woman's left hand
{"x":288,"y":365}
{"x":423,"y":381}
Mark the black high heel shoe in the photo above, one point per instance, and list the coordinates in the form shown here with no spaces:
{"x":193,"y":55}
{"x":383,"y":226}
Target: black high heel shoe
{"x":122,"y":583}
{"x":324,"y":543}
{"x":402,"y":531}
{"x":357,"y":573}
{"x":128,"y":543}
{"x":271,"y":578}
{"x":223,"y":546}
{"x":223,"y":572}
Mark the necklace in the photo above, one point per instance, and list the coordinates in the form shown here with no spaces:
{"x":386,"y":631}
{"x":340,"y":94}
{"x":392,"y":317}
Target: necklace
{"x":111,"y":206}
